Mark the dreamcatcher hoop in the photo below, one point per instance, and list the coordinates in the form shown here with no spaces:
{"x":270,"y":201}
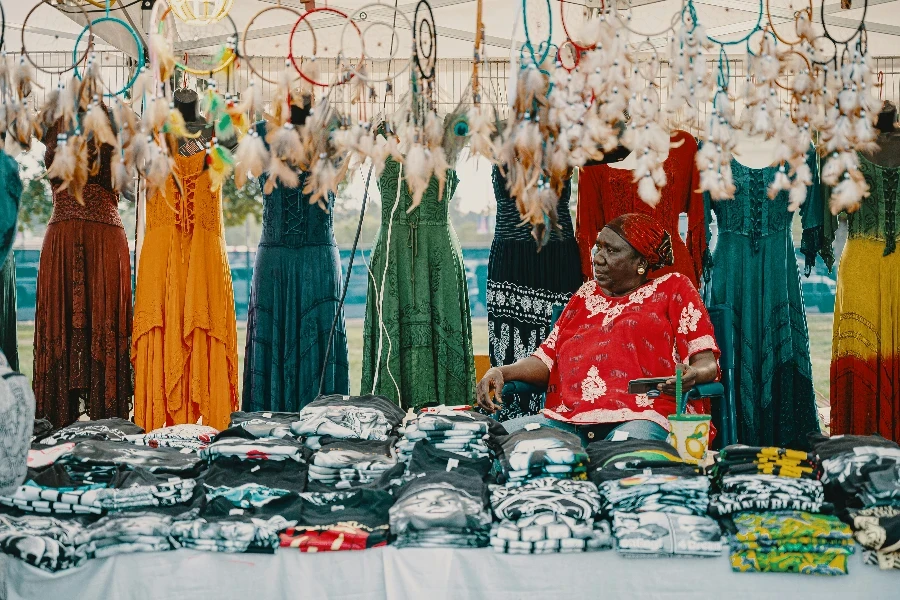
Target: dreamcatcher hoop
{"x":100,"y":4}
{"x":860,"y":29}
{"x":183,"y":10}
{"x":87,"y":50}
{"x":624,"y":22}
{"x":293,"y":59}
{"x":362,"y":39}
{"x":562,"y":18}
{"x":227,"y":60}
{"x":576,"y":54}
{"x":139,"y":44}
{"x":2,"y":26}
{"x":771,"y":25}
{"x":246,"y":55}
{"x":546,"y":44}
{"x":427,"y":21}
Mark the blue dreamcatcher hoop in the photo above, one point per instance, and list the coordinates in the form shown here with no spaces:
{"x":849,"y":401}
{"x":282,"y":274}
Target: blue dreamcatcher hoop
{"x":139,"y":44}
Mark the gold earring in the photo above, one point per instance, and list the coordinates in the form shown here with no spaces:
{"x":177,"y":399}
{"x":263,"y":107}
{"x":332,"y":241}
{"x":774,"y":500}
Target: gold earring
{"x":641,"y":270}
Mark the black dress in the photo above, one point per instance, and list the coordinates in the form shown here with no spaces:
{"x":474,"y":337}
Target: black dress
{"x":523,"y":286}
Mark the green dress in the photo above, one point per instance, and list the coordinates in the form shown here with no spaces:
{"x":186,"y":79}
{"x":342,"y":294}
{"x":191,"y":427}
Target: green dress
{"x":417,"y":341}
{"x":755,"y":274}
{"x":10,"y":196}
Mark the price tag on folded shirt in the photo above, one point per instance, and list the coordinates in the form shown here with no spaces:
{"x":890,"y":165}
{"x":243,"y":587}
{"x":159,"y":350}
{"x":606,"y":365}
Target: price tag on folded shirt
{"x":452,"y":464}
{"x":186,"y":451}
{"x":532,"y":426}
{"x":236,"y":511}
{"x":620,"y":436}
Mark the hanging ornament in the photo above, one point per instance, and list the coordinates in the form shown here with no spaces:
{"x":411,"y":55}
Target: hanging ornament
{"x":201,"y":12}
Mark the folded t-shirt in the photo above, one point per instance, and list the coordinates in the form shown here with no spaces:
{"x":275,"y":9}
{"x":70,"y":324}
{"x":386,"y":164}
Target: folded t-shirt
{"x":348,"y":417}
{"x":576,"y":499}
{"x":665,"y":534}
{"x":530,"y":453}
{"x":427,"y":458}
{"x":452,"y":500}
{"x":114,"y":429}
{"x":90,"y":454}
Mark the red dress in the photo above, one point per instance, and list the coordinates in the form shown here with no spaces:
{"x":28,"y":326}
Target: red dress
{"x":601,"y":342}
{"x":604,"y":193}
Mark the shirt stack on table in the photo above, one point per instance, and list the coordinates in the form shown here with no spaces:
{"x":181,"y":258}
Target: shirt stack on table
{"x":347,"y":463}
{"x":775,"y":509}
{"x":336,"y":521}
{"x":191,"y":437}
{"x":542,"y":452}
{"x":466,"y":433}
{"x":613,"y":460}
{"x":347,"y":417}
{"x":438,"y":509}
{"x":548,"y":515}
{"x":861,"y":475}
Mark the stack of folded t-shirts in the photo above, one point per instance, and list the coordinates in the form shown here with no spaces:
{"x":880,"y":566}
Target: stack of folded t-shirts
{"x":260,"y":425}
{"x":610,"y":460}
{"x":253,"y":484}
{"x":226,"y":526}
{"x":466,"y":433}
{"x":790,"y":542}
{"x":191,"y":437}
{"x":98,"y":461}
{"x":333,"y":521}
{"x":442,"y":509}
{"x":44,"y":542}
{"x":542,"y":452}
{"x":548,"y":515}
{"x":53,"y":491}
{"x":877,"y":529}
{"x":755,"y":460}
{"x":256,"y":449}
{"x":427,"y":458}
{"x":767,"y":493}
{"x":662,"y":534}
{"x":655,"y":493}
{"x":861,"y":475}
{"x":114,"y":430}
{"x":124,"y":533}
{"x":347,"y":417}
{"x":346,"y":463}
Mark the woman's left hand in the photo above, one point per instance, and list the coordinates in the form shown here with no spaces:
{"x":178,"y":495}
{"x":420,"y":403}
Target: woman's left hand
{"x":688,"y":380}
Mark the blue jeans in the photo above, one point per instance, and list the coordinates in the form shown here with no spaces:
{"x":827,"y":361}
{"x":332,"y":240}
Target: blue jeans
{"x":639,"y":429}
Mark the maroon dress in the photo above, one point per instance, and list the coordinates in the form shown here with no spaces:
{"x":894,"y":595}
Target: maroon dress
{"x":82,"y":334}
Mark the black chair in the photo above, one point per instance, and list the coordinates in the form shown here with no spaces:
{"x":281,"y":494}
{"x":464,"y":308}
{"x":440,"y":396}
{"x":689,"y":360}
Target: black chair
{"x":720,"y":393}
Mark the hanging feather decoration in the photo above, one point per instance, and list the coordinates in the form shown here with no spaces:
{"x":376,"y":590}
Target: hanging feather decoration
{"x":220,"y":162}
{"x":251,"y":158}
{"x":163,"y":59}
{"x":280,"y":173}
{"x":96,"y":124}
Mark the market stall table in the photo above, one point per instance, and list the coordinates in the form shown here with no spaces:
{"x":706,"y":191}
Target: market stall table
{"x":425,"y":574}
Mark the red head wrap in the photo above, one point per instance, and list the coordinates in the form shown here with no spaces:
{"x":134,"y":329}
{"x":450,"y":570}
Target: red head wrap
{"x":647,"y":236}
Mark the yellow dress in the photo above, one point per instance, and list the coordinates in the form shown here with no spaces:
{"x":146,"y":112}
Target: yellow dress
{"x":184,"y":344}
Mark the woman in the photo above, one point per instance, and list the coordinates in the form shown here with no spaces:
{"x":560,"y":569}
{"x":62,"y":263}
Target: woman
{"x":621,"y":325}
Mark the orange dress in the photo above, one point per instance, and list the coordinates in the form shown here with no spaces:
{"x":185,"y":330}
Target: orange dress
{"x":184,"y":345}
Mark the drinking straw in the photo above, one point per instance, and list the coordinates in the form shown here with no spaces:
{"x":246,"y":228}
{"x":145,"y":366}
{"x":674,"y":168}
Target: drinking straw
{"x":679,"y":398}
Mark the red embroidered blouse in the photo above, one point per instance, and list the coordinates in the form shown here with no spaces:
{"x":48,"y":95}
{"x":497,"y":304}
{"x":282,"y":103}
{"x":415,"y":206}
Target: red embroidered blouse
{"x":600,"y":343}
{"x":605,"y":192}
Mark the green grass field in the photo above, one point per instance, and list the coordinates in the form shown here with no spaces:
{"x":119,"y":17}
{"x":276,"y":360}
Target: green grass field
{"x":819,"y":333}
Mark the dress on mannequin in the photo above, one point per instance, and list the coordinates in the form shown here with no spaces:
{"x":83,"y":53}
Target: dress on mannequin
{"x":185,"y":334}
{"x":417,"y":340}
{"x":865,"y":360}
{"x":523,"y":285}
{"x":606,"y":192}
{"x":295,"y":295}
{"x":10,"y":198}
{"x":755,"y":274}
{"x":82,"y":326}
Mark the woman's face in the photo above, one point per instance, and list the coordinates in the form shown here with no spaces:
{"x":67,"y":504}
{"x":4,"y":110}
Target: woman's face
{"x":615,"y":262}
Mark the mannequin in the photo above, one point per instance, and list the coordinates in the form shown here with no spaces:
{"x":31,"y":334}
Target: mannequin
{"x":187,"y":102}
{"x":888,"y":153}
{"x":754,"y":151}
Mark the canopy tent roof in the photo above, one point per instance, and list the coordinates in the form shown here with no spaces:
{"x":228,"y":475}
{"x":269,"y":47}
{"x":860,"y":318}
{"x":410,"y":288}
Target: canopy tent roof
{"x":50,"y":29}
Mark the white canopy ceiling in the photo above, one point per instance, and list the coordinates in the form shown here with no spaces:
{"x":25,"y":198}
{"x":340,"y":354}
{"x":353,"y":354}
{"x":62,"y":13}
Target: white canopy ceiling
{"x":50,"y":29}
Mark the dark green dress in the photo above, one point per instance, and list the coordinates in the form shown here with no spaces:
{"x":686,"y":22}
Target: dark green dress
{"x":9,"y":212}
{"x":755,"y":273}
{"x":294,"y":297}
{"x":417,"y":341}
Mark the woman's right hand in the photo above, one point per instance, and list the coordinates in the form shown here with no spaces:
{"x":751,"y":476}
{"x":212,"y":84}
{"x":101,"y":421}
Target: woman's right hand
{"x":491,"y":382}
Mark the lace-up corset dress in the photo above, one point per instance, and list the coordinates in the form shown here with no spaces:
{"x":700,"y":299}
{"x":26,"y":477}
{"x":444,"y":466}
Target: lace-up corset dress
{"x":524,"y":284}
{"x":865,"y":360}
{"x":293,"y":302}
{"x":417,"y":340}
{"x":605,"y":193}
{"x":82,"y":326}
{"x":185,"y":337}
{"x":755,"y":274}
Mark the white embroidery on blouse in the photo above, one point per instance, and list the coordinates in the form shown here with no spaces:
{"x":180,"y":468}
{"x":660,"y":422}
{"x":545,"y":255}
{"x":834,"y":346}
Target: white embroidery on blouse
{"x":704,"y":342}
{"x":593,"y":386}
{"x":644,"y":401}
{"x":550,"y":342}
{"x":690,"y":316}
{"x":597,"y":304}
{"x":540,"y":354}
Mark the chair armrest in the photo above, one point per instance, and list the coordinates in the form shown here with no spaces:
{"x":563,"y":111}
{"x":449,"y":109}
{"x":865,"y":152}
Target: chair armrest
{"x":520,"y":387}
{"x":706,"y":390}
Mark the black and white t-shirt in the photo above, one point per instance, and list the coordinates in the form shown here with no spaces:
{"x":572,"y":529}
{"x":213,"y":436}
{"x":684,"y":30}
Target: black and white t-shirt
{"x":540,"y":452}
{"x":576,"y":499}
{"x":426,"y":458}
{"x":666,"y":534}
{"x":348,"y":417}
{"x":114,"y":429}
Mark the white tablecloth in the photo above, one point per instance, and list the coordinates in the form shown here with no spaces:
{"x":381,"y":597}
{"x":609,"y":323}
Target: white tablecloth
{"x":426,"y":575}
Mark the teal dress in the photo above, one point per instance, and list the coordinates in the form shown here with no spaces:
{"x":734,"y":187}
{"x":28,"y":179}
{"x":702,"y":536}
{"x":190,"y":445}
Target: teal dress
{"x":417,"y":341}
{"x":294,"y":297}
{"x":755,"y":273}
{"x":9,"y":211}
